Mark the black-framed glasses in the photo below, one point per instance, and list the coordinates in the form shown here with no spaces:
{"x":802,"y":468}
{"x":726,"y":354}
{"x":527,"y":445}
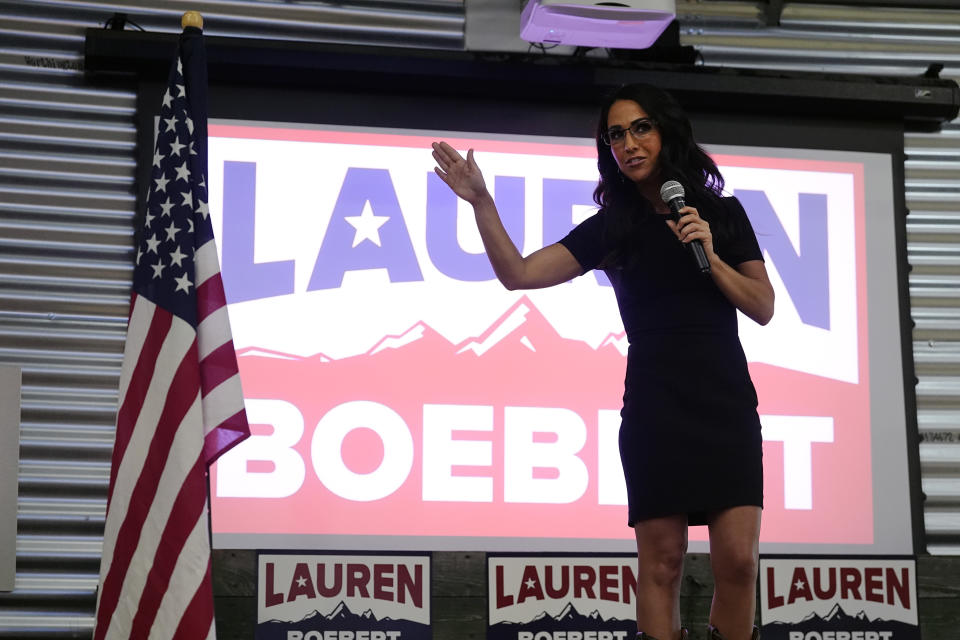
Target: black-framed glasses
{"x":638,"y":128}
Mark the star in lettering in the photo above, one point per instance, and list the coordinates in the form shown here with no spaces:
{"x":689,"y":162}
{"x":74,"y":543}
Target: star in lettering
{"x":798,"y":584}
{"x":177,"y":256}
{"x":176,"y":145}
{"x":183,"y":284}
{"x":367,"y":225}
{"x":530,"y":583}
{"x":301,"y":581}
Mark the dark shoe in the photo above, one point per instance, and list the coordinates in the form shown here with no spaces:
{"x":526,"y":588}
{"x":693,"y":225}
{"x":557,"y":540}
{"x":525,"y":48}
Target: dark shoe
{"x":713,"y":634}
{"x":646,"y":636}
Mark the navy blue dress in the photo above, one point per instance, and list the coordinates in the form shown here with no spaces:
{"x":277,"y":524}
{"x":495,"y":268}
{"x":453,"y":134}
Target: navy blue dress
{"x":690,"y":436}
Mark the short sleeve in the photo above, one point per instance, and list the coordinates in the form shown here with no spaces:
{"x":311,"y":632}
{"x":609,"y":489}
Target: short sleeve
{"x":741,"y":245}
{"x":585,"y":242}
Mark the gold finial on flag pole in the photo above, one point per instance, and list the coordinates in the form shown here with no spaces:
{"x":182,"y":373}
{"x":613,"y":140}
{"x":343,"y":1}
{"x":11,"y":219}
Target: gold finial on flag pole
{"x":192,"y":19}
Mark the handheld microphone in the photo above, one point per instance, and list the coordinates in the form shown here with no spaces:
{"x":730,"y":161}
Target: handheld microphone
{"x":672,"y":195}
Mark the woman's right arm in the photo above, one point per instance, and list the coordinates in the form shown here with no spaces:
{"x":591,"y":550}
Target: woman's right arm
{"x":545,"y":267}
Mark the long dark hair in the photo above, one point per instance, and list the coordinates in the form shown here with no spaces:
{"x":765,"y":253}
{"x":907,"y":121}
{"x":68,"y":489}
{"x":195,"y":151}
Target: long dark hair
{"x":681,"y":159}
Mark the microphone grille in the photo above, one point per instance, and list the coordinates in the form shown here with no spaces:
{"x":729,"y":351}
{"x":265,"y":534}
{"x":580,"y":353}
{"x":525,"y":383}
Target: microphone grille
{"x":670,"y":190}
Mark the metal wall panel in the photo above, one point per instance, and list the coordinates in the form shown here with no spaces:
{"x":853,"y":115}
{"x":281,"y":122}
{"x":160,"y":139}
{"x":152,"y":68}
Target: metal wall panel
{"x":67,"y":154}
{"x":67,"y":165}
{"x":895,"y":40}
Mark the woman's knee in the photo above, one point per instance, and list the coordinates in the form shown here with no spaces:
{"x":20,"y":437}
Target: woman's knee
{"x":661,"y":547}
{"x":736,"y":565}
{"x":668,"y":568}
{"x":663,"y":565}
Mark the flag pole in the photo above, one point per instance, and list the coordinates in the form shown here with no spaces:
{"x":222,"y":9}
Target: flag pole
{"x":195,"y":19}
{"x":192,"y":19}
{"x":180,"y":400}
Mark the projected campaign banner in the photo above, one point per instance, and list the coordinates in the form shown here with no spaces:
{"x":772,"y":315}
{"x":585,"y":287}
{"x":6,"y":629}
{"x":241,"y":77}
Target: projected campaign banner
{"x":395,"y":388}
{"x":326,"y":596}
{"x":548,"y":597}
{"x":838,"y":599}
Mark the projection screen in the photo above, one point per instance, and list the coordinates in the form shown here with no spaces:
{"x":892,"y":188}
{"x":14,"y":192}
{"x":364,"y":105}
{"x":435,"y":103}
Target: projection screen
{"x":401,"y":398}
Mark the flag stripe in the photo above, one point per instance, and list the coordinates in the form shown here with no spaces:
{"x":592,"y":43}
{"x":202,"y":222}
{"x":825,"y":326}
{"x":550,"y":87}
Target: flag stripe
{"x":221,"y":402}
{"x":189,"y":571}
{"x":156,"y":543}
{"x":145,"y":486}
{"x":162,"y":509}
{"x":198,"y":616}
{"x":212,"y":332}
{"x":182,"y":520}
{"x":219,"y":366}
{"x":210,"y":296}
{"x":127,"y":469}
{"x":207,"y":264}
{"x":138,"y":328}
{"x":147,"y":352}
{"x":230,"y":432}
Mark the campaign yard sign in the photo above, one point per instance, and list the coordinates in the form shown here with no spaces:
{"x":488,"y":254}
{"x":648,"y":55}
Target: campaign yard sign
{"x":325,"y":596}
{"x":804,"y":598}
{"x":561,"y":597}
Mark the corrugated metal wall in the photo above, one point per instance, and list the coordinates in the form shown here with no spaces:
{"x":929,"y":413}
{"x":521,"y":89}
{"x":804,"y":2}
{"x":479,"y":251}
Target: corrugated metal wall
{"x":66,"y":207}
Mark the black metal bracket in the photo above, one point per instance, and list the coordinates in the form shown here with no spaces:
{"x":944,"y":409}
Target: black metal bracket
{"x":773,"y":12}
{"x":922,"y":103}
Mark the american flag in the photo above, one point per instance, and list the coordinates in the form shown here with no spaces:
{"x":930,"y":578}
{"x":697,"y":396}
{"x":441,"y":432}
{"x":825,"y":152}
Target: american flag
{"x":181,"y":405}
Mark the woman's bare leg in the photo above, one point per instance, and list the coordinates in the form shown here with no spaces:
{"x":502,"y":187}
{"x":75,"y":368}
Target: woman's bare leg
{"x":661,"y":545}
{"x":734,"y":557}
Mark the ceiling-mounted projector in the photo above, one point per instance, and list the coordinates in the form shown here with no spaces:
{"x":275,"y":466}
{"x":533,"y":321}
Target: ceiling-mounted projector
{"x":625,"y":24}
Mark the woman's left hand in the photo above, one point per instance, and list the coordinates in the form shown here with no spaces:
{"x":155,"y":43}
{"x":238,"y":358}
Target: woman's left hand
{"x":691,"y":227}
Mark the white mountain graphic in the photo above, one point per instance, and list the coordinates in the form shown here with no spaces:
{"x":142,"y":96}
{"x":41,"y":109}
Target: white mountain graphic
{"x":508,"y":325}
{"x":412,"y":334}
{"x":312,"y":614}
{"x":618,"y":341}
{"x":836,"y":612}
{"x":567,"y":612}
{"x":267,"y":353}
{"x":339,"y":611}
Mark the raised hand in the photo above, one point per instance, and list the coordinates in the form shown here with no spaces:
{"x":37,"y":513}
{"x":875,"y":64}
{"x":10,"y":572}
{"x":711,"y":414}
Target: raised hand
{"x":462,"y":176}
